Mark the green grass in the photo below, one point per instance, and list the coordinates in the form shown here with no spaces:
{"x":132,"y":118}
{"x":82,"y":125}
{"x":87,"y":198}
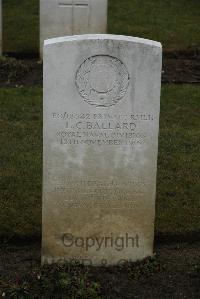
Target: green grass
{"x":21,"y":26}
{"x":21,"y":159}
{"x":178,"y":188}
{"x":175,"y":23}
{"x":178,"y":205}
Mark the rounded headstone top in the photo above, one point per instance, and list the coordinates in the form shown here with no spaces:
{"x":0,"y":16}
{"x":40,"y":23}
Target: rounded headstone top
{"x":102,"y":37}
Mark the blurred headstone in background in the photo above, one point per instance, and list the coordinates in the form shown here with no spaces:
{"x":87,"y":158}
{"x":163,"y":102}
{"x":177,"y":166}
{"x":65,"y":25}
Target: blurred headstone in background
{"x":71,"y":17}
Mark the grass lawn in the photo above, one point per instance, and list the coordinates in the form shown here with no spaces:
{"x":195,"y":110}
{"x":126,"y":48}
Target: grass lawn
{"x":178,"y":188}
{"x":175,"y":23}
{"x":21,"y":26}
{"x":21,"y":161}
{"x":178,"y":205}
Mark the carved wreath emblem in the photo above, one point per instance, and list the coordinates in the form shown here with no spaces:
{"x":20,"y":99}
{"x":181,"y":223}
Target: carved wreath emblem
{"x":102,"y":80}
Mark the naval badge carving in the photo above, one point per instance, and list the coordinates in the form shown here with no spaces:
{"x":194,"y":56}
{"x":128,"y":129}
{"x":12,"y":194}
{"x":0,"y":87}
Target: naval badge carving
{"x":102,"y":80}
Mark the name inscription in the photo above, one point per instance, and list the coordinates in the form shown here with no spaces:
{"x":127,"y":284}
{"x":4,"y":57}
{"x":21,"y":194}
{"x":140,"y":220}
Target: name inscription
{"x":102,"y":129}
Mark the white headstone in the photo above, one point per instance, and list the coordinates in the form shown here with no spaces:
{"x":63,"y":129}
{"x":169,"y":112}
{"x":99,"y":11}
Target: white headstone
{"x":101,"y":123}
{"x":70,"y":17}
{"x":1,"y":28}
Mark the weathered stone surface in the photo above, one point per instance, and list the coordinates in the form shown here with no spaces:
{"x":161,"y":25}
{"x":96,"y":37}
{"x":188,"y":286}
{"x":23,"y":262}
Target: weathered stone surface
{"x":101,"y":123}
{"x":70,"y":17}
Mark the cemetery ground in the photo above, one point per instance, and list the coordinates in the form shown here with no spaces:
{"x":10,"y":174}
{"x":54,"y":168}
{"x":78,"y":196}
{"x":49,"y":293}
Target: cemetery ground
{"x":174,"y":23}
{"x":174,"y":272}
